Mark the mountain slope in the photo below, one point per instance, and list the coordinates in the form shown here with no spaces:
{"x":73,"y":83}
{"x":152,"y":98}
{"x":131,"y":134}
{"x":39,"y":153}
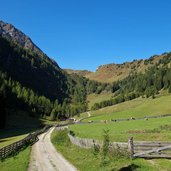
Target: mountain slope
{"x":11,"y":33}
{"x":114,"y":72}
{"x":34,"y":84}
{"x":32,"y":71}
{"x":83,"y":73}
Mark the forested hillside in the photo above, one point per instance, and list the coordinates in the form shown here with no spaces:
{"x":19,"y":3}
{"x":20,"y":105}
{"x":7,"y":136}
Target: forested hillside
{"x":147,"y":84}
{"x":33,"y":71}
{"x":35,"y":84}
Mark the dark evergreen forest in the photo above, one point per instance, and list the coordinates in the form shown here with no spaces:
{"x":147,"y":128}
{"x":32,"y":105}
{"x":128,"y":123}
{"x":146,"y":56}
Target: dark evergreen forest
{"x":33,"y":83}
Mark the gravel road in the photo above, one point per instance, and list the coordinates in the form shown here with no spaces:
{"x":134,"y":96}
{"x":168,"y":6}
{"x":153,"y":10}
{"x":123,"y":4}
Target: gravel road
{"x":44,"y":156}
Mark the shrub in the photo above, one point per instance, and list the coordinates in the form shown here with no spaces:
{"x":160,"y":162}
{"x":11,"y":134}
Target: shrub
{"x":60,"y":137}
{"x":96,"y":149}
{"x":117,"y":152}
{"x":106,"y":140}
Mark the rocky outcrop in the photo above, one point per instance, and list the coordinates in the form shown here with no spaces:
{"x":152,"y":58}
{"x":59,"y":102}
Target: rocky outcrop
{"x":10,"y":32}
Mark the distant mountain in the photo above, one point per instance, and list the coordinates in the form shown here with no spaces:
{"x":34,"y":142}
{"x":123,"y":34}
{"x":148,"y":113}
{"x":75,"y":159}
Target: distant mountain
{"x":114,"y":72}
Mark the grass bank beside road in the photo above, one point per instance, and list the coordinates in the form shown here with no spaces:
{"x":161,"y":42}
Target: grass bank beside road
{"x":18,"y":162}
{"x":88,"y":160}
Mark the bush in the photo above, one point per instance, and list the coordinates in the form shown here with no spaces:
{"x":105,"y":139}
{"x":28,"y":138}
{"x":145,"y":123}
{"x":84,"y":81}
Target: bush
{"x":106,"y":140}
{"x":71,"y":133}
{"x":117,"y":152}
{"x":96,"y":149}
{"x":60,"y":137}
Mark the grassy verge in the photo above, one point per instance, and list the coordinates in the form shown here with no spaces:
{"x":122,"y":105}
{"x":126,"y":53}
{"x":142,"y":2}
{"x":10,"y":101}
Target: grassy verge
{"x":88,"y":160}
{"x":17,"y":163}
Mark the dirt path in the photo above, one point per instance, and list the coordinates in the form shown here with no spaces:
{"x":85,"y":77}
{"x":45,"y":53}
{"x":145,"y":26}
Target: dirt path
{"x":44,"y":156}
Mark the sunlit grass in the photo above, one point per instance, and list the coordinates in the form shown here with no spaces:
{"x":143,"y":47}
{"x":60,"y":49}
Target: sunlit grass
{"x":140,"y":107}
{"x":86,"y":160}
{"x":17,"y":163}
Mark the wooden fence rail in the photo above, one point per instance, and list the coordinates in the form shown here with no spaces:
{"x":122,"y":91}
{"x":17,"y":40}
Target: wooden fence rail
{"x":30,"y":139}
{"x":90,"y":143}
{"x":136,"y":149}
{"x":149,"y":149}
{"x":129,"y":119}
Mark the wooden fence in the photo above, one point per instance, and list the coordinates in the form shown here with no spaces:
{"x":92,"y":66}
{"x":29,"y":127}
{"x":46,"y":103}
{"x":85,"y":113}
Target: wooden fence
{"x":14,"y":147}
{"x":127,"y":119}
{"x":149,"y":149}
{"x":136,"y":149}
{"x":90,"y":143}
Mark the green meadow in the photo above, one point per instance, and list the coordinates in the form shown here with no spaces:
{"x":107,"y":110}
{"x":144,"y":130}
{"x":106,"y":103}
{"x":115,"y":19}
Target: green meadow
{"x":97,"y":98}
{"x":120,"y":131}
{"x":135,"y":108}
{"x":151,"y":129}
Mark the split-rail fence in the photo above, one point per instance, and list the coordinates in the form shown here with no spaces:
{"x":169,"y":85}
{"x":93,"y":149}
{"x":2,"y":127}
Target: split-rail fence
{"x":136,"y":149}
{"x":28,"y":140}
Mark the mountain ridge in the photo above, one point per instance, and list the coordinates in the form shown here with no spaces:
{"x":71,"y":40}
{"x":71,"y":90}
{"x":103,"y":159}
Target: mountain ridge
{"x":9,"y":31}
{"x":12,"y":33}
{"x":115,"y":72}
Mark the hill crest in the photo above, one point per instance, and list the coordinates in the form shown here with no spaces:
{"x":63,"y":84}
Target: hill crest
{"x":115,"y":72}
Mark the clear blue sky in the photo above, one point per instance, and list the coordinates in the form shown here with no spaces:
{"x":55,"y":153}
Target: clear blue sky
{"x":83,"y":34}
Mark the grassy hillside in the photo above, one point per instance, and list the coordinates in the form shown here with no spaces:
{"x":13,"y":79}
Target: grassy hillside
{"x":79,"y":72}
{"x":135,"y":108}
{"x":151,"y":129}
{"x":114,"y":72}
{"x":96,"y":98}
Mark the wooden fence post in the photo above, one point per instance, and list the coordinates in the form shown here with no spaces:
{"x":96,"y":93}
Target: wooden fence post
{"x":130,"y":147}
